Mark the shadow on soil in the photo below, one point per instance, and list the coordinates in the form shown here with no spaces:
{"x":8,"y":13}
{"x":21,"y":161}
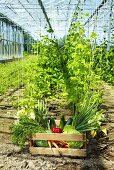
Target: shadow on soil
{"x":93,"y":161}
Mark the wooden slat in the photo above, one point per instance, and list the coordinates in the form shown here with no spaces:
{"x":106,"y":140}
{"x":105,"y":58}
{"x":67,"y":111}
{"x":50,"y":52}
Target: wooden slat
{"x":54,"y":151}
{"x":57,"y":136}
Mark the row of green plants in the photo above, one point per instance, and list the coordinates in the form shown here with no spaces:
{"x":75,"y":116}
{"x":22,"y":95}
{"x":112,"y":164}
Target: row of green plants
{"x":104,"y":63}
{"x":17,"y":73}
{"x":77,"y":59}
{"x":67,"y":69}
{"x":61,"y":70}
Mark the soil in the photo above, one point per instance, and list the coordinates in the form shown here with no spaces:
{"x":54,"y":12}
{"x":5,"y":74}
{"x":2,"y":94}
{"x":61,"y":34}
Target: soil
{"x":100,"y":149}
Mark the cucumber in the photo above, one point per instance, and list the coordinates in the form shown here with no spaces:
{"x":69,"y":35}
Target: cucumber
{"x":69,"y":121}
{"x":62,"y":122}
{"x":41,"y":143}
{"x":52,"y":123}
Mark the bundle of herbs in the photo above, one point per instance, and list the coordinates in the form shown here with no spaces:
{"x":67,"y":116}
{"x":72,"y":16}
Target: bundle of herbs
{"x":90,"y":116}
{"x":29,"y":121}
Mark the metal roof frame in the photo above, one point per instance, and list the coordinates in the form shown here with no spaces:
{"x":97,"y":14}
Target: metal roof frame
{"x":45,"y":14}
{"x":36,"y":16}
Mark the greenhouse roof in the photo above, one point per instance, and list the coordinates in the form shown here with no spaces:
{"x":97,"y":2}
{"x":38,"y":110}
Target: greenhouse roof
{"x":40,"y":16}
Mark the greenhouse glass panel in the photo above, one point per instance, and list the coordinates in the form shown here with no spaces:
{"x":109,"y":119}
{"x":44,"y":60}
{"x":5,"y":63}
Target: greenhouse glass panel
{"x":37,"y":18}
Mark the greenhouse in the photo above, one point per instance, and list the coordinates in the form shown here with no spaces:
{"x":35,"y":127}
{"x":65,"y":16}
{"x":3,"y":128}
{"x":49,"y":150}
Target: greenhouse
{"x":57,"y":84}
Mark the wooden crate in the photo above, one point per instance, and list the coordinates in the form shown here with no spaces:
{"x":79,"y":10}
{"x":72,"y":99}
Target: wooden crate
{"x":54,"y":151}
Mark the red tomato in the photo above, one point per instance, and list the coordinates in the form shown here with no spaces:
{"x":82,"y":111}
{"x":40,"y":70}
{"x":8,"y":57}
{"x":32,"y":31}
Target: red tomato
{"x":56,"y":130}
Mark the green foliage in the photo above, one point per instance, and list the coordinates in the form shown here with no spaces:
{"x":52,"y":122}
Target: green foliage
{"x":52,"y":123}
{"x":69,"y":129}
{"x":36,"y":110}
{"x":77,"y":61}
{"x":16,"y":73}
{"x":41,"y":143}
{"x":22,"y":130}
{"x":41,"y":114}
{"x":62,"y":122}
{"x":104,"y":63}
{"x":68,"y":67}
{"x":50,"y":30}
{"x":89,"y":117}
{"x":32,"y":119}
{"x":93,"y":35}
{"x":48,"y":80}
{"x":57,"y":68}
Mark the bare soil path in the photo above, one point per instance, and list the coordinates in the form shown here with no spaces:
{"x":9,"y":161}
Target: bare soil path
{"x":100,"y":152}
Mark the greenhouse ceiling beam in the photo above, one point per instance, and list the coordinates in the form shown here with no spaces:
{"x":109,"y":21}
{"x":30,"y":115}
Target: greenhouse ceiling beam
{"x":11,"y":10}
{"x":96,"y":11}
{"x":45,"y":14}
{"x":28,"y":12}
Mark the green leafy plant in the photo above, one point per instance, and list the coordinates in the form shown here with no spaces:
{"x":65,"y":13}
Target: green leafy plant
{"x":89,"y":117}
{"x":30,"y":120}
{"x":77,"y":64}
{"x":22,"y":130}
{"x":69,"y":129}
{"x":48,"y":79}
{"x":104,"y":63}
{"x":17,"y":73}
{"x":67,"y":67}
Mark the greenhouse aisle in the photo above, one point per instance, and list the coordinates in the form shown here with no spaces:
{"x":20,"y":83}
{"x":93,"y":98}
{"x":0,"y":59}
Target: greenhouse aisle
{"x":100,"y":152}
{"x":109,"y":107}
